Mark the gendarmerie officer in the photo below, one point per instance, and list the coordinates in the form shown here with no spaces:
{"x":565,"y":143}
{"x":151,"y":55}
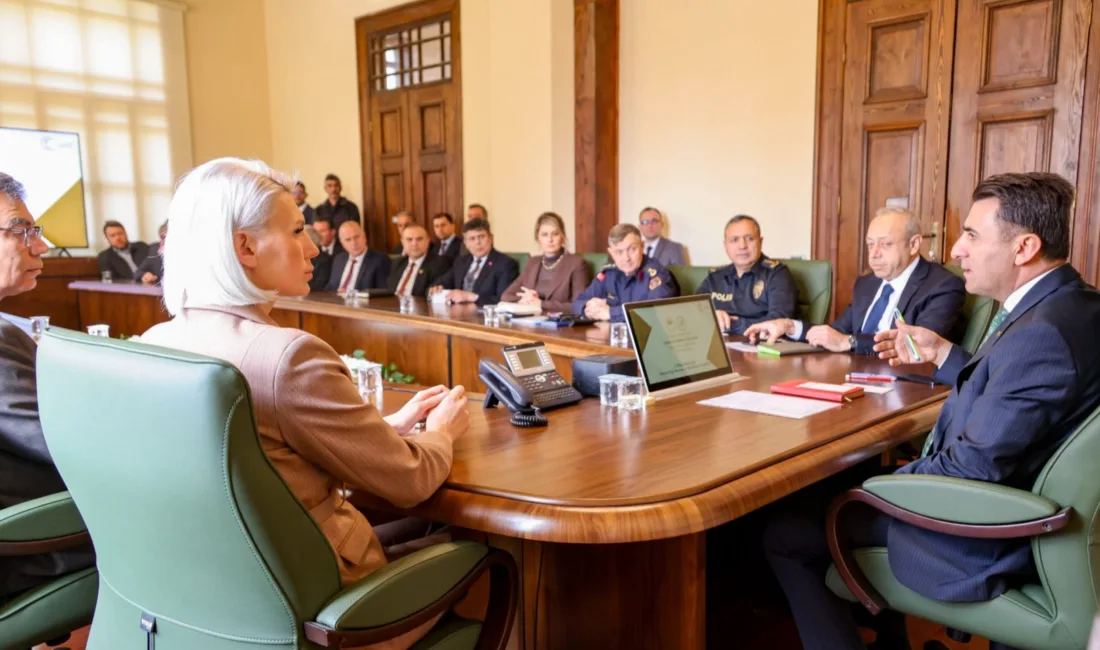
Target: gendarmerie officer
{"x":631,"y":278}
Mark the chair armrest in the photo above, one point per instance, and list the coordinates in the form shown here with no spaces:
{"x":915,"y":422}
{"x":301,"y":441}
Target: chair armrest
{"x":403,"y":587}
{"x":415,"y":589}
{"x":52,"y":517}
{"x":960,"y":500}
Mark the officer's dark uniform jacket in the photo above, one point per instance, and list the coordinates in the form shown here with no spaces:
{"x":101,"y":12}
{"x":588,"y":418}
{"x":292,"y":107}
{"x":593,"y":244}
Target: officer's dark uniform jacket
{"x":764,"y":292}
{"x":650,"y":282}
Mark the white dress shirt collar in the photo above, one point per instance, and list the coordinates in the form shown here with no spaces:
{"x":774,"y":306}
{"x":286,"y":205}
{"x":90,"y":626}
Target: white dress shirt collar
{"x":1016,"y":296}
{"x":898,"y":285}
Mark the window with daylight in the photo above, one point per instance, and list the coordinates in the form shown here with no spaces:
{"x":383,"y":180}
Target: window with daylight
{"x":113,"y":71}
{"x":412,"y":55}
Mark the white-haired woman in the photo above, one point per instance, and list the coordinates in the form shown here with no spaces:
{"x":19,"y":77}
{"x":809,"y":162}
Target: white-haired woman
{"x":236,"y":241}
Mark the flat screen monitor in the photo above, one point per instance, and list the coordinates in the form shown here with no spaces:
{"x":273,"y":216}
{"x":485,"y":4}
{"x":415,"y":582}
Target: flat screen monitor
{"x":677,"y":341}
{"x":47,"y":163}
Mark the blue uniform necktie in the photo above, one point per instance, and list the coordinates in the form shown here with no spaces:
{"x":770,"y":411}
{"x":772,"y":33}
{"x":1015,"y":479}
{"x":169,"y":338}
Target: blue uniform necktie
{"x":870,"y":326}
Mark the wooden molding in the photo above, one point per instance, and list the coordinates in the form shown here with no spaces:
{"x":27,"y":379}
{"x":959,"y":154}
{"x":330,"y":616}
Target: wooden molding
{"x":596,"y":82}
{"x":828,"y":130}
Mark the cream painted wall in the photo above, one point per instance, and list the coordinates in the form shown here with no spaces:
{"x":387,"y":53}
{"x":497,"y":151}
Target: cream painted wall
{"x":517,"y":102}
{"x":716,"y":107}
{"x":227,"y":71}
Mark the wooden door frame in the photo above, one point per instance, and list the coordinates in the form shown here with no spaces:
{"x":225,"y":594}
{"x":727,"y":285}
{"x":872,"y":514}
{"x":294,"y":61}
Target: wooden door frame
{"x":385,"y":21}
{"x":1085,"y":237}
{"x":828,"y":135}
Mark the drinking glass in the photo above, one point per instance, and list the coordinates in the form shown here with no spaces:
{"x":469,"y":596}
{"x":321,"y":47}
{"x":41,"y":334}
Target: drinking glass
{"x":504,"y":318}
{"x":370,"y":383}
{"x":408,"y":304}
{"x":490,"y":312}
{"x":620,"y":337}
{"x":100,"y":330}
{"x":631,"y":394}
{"x":39,"y":325}
{"x":351,"y":297}
{"x":106,"y":277}
{"x":609,"y":389}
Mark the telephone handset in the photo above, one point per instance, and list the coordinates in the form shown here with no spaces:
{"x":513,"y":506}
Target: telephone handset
{"x":530,"y":383}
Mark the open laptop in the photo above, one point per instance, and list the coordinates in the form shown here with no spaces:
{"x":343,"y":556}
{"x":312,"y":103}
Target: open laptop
{"x":678,"y":345}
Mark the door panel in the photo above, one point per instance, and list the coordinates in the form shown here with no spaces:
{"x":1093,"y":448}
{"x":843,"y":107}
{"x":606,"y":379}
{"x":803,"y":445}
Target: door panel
{"x":390,"y":165}
{"x":1017,"y":103}
{"x":897,"y":87}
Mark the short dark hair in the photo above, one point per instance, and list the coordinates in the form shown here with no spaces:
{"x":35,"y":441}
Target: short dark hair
{"x":332,"y":177}
{"x":444,"y":215}
{"x":111,"y":224}
{"x":1035,"y":202}
{"x":650,"y":209}
{"x":477,"y":223}
{"x":303,"y":185}
{"x":319,"y":219}
{"x":484,"y":211}
{"x":738,"y":219}
{"x":11,"y":187}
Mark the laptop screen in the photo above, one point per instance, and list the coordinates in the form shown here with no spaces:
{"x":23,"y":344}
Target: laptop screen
{"x":677,"y":341}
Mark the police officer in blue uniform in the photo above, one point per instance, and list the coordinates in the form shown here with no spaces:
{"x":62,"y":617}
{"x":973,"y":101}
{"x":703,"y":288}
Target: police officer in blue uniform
{"x":752,"y":289}
{"x":631,"y":278}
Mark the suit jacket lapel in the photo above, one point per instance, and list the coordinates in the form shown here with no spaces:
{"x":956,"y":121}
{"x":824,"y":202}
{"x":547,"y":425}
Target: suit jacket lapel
{"x":915,"y":280}
{"x":484,"y":272}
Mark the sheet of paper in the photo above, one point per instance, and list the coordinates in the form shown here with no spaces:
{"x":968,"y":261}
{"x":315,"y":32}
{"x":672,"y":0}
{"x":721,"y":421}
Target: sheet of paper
{"x":742,"y":347}
{"x":779,"y":405}
{"x":877,"y":389}
{"x":441,"y":297}
{"x":829,"y":388}
{"x":530,"y":320}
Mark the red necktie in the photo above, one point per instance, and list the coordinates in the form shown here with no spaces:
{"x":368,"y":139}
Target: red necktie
{"x":348,"y":278}
{"x":405,"y":278}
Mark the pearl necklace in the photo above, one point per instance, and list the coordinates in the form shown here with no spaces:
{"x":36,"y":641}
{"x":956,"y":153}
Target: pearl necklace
{"x":549,"y":267}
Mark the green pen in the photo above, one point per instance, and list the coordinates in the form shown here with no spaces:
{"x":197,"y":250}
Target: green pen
{"x":767,"y":351}
{"x":908,"y":337}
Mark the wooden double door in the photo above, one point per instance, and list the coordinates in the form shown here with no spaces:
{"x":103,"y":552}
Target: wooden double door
{"x":919,"y":100}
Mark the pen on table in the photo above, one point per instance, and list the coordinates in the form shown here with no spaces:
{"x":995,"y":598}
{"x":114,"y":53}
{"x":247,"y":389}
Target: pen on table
{"x":866,"y":376}
{"x":908,"y":337}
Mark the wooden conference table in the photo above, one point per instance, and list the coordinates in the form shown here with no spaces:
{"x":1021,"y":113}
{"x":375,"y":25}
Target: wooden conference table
{"x":605,"y":511}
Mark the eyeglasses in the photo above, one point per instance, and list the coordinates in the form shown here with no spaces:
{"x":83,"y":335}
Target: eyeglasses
{"x":649,"y":222}
{"x":33,"y":232}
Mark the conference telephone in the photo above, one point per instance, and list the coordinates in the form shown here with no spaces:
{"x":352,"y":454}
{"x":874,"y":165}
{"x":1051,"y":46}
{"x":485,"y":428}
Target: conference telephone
{"x":528,"y":385}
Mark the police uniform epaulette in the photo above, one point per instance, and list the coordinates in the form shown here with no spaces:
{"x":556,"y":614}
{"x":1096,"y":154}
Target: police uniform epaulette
{"x":607,"y":266}
{"x":720,"y":268}
{"x":771,"y":264}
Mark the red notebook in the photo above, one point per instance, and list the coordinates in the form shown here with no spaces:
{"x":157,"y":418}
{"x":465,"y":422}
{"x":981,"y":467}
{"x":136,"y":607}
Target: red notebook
{"x":818,"y":390}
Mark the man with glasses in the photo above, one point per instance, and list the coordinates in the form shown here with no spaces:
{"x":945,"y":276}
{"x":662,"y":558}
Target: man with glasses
{"x":26,"y":469}
{"x":663,"y":251}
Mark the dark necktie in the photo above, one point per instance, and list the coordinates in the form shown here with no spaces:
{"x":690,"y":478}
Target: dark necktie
{"x":350,"y":279}
{"x":471,"y":275}
{"x":405,"y":278}
{"x":649,"y":251}
{"x":870,"y":326}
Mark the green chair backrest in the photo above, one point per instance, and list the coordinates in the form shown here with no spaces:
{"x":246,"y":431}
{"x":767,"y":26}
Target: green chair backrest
{"x":689,"y":277}
{"x":394,"y":256}
{"x":520,"y":258}
{"x":978,"y":312}
{"x":1069,"y":560}
{"x":595,"y":261}
{"x":815,"y":288}
{"x":190,"y":521}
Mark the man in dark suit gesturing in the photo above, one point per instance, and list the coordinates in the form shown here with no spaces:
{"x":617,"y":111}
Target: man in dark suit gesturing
{"x":122,"y":257}
{"x":924,"y":292}
{"x":483,"y":274}
{"x":1031,"y":383}
{"x":357,"y":267}
{"x":26,"y":469}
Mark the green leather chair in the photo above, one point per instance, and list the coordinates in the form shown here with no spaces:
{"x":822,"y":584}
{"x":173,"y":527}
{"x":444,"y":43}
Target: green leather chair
{"x":1059,"y":514}
{"x":197,"y":532}
{"x":52,"y":610}
{"x":689,"y":277}
{"x":520,"y":258}
{"x":815,"y":288}
{"x":595,"y":261}
{"x":394,"y":256}
{"x":978,"y":311}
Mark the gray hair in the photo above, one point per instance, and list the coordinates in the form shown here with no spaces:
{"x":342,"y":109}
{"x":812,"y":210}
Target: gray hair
{"x":13,"y":188}
{"x":213,"y":201}
{"x":912,"y":223}
{"x":621,"y":231}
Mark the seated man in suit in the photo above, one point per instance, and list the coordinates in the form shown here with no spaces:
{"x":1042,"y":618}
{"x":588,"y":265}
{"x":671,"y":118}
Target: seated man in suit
{"x":477,"y":211}
{"x":663,"y":251}
{"x":26,"y":469}
{"x":328,"y":247}
{"x":632,"y":277}
{"x":753,"y":288}
{"x":300,"y":195}
{"x":483,"y":274}
{"x":151,"y":270}
{"x":418,"y":268}
{"x":1035,"y":378}
{"x":924,"y":292}
{"x":448,"y":245}
{"x":121,"y":258}
{"x":402,"y":220}
{"x":357,"y":267}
